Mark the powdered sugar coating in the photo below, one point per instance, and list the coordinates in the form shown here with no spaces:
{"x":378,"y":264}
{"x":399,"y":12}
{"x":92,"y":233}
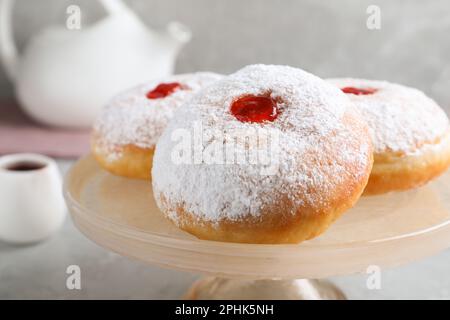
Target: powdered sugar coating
{"x":401,"y":119}
{"x":317,"y":152}
{"x":132,"y":118}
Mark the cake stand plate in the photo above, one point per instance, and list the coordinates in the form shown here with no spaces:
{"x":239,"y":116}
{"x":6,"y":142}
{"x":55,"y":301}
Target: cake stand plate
{"x":120,"y":214}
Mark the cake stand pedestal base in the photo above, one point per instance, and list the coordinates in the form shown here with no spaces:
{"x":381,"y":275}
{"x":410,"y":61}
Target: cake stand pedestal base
{"x":216,"y":288}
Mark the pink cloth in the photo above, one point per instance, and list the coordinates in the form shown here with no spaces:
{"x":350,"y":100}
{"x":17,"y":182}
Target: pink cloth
{"x":20,"y":134}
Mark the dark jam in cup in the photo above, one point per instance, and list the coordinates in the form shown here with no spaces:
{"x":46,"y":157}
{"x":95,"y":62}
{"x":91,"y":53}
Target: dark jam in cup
{"x":25,"y":166}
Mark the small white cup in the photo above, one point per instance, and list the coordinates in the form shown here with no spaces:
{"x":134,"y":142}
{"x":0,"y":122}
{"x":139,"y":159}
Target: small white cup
{"x":31,"y":203}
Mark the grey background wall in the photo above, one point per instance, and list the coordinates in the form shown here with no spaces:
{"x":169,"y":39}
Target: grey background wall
{"x":328,"y":38}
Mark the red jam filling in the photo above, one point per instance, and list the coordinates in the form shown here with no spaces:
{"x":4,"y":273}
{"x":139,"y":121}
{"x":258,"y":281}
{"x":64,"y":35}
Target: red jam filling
{"x":162,"y":90}
{"x":358,"y":91}
{"x":255,"y":109}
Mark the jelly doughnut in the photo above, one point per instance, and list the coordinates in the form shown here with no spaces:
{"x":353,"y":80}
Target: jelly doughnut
{"x":320,"y":157}
{"x":410,"y":133}
{"x":127,"y":130}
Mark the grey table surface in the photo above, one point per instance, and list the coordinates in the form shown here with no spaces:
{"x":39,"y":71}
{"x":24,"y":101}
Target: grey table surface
{"x":39,"y":272}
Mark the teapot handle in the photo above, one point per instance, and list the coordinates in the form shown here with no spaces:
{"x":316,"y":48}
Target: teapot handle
{"x":8,"y":49}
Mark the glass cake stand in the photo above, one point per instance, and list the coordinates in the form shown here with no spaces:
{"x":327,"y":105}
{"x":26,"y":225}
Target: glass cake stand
{"x":120,"y":215}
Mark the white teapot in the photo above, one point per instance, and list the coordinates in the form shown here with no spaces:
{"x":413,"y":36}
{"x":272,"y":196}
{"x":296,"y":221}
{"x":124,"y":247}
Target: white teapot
{"x":64,"y":77}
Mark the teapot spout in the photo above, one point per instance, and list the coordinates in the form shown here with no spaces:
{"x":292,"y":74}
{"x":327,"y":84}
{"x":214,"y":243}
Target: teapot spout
{"x":179,"y":33}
